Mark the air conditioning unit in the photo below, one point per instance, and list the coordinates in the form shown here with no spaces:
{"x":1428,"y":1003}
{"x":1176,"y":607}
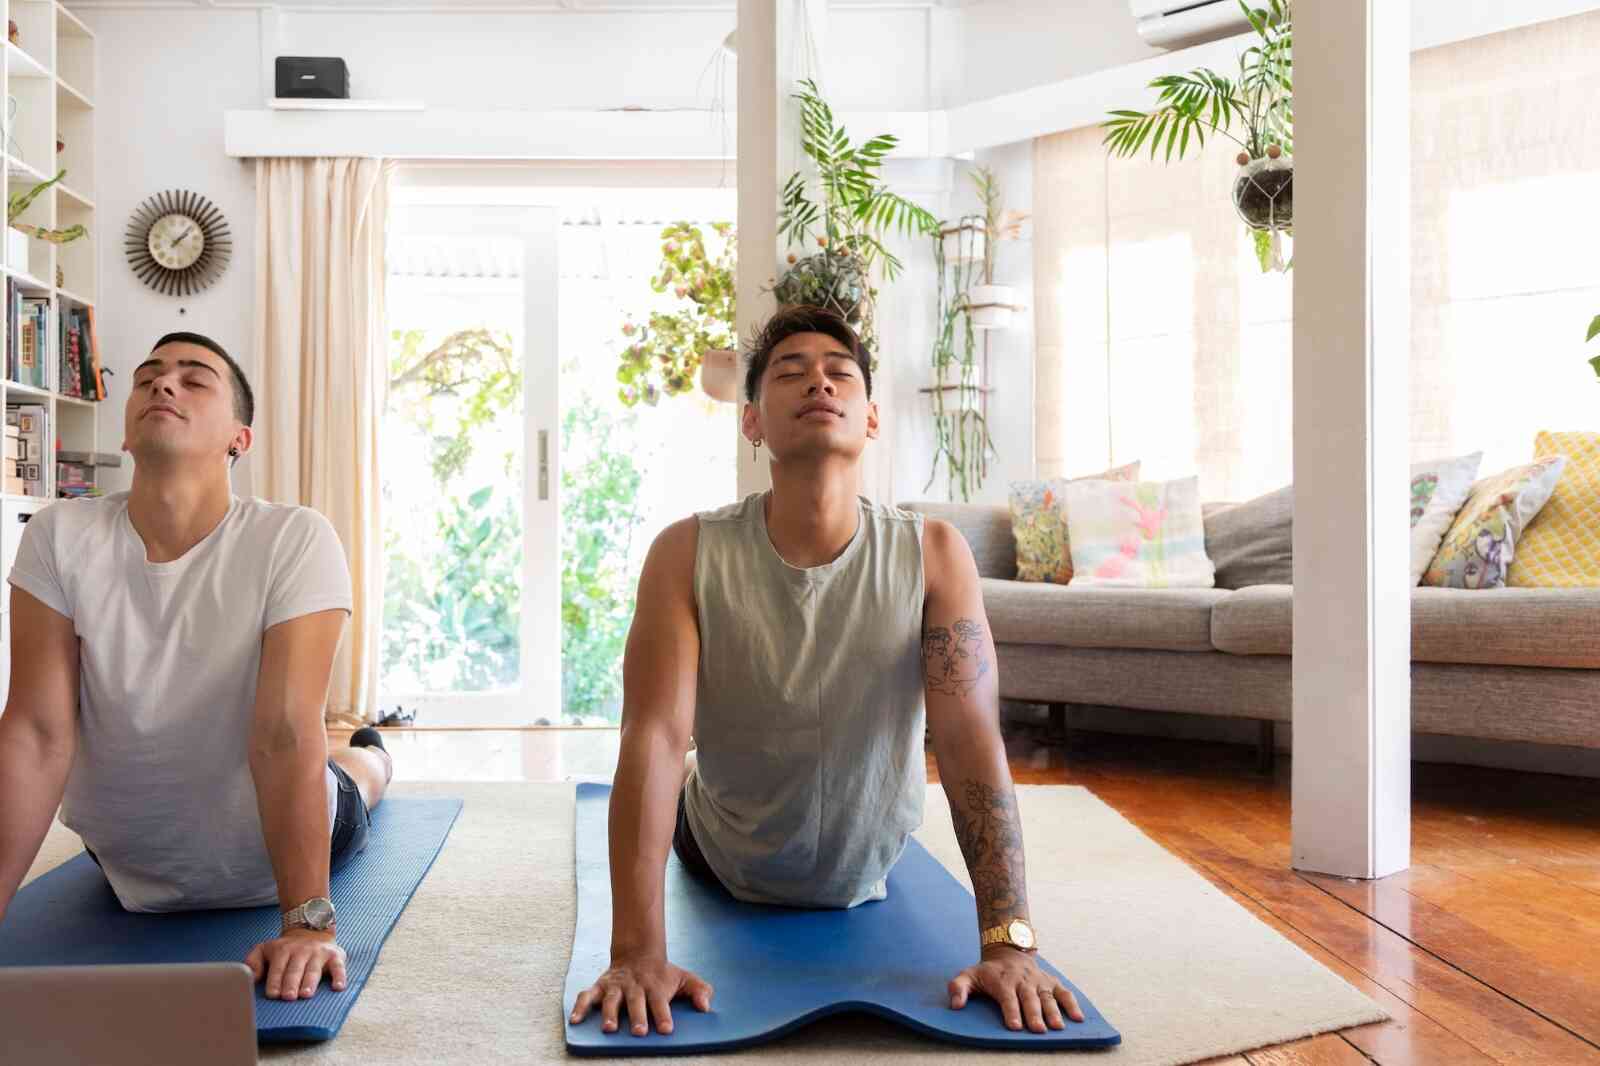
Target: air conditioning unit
{"x":1173,"y":24}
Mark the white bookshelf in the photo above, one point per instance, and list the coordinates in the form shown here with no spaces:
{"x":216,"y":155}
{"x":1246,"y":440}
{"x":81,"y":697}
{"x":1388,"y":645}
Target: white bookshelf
{"x":50,"y":72}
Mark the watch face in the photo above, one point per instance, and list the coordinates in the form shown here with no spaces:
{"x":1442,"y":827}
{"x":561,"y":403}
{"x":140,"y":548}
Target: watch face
{"x":319,"y":913}
{"x":1021,"y":934}
{"x":176,"y":241}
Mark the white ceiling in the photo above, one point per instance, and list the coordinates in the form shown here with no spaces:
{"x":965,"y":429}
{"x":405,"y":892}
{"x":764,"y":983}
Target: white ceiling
{"x":543,"y":6}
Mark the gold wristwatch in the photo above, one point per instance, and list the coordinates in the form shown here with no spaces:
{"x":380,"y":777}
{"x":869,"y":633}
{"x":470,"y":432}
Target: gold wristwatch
{"x":1018,"y":933}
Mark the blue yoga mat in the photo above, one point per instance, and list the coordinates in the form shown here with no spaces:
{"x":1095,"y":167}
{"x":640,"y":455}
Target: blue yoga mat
{"x":69,"y":917}
{"x":776,"y":968}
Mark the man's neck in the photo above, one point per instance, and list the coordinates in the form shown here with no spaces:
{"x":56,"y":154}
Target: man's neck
{"x":812,"y":513}
{"x":173,"y":512}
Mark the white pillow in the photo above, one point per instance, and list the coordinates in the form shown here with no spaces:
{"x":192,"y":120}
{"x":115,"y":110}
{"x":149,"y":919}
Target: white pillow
{"x":1439,"y":488}
{"x":1138,"y":534}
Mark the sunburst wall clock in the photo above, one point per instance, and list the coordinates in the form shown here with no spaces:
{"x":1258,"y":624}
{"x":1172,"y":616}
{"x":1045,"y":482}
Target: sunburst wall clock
{"x":178,"y":242}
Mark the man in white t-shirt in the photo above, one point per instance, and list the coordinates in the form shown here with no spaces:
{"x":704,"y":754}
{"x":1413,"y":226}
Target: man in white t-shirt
{"x":171,"y":653}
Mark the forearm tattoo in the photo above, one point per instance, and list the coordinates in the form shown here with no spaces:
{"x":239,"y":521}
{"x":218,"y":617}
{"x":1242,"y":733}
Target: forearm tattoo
{"x":990,"y":834}
{"x":953,"y":662}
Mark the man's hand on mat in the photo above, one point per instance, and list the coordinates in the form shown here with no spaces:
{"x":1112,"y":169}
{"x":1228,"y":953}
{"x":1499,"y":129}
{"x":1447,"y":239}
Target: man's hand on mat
{"x":648,"y":982}
{"x":294,"y":963}
{"x":1014,"y":981}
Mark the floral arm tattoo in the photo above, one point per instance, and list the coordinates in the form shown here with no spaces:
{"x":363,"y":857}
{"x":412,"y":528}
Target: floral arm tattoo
{"x":953,"y":663}
{"x":990,"y":835}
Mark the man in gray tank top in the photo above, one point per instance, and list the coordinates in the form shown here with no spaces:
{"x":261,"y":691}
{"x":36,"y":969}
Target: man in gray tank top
{"x":803,"y":636}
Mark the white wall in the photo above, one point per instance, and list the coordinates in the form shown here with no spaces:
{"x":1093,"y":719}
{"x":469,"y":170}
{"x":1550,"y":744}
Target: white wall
{"x":162,"y":86}
{"x":166,"y":77}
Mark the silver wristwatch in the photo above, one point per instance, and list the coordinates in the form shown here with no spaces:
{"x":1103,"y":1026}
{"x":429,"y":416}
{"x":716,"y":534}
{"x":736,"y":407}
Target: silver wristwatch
{"x":316,"y":914}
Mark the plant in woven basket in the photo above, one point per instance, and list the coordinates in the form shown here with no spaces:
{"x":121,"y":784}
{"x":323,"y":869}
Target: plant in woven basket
{"x":1259,"y":105}
{"x":1594,"y":331}
{"x":18,"y":202}
{"x":663,"y":354}
{"x":857,"y":209}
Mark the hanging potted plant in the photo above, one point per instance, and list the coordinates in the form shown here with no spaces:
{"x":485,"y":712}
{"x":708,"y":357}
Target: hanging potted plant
{"x":993,"y":305}
{"x":1259,"y":106}
{"x":17,"y":233}
{"x":857,"y":210}
{"x":664,"y":354}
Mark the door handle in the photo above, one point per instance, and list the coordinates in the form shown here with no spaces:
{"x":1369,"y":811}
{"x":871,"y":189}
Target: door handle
{"x":544,"y":464}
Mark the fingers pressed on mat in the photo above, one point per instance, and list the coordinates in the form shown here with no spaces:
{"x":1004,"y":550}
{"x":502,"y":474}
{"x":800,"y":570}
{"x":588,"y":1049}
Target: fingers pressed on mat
{"x":293,"y":973}
{"x":1010,"y":1009}
{"x":1069,"y":1003}
{"x":700,"y":992}
{"x":1032,"y":1009}
{"x":1052,"y":1013}
{"x":638,"y":1018}
{"x":580,"y":1007}
{"x":960,"y":989}
{"x":609,"y":1005}
{"x":662,"y":1011}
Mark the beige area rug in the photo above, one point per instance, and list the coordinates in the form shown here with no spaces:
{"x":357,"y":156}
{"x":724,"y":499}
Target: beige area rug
{"x":473,"y":971}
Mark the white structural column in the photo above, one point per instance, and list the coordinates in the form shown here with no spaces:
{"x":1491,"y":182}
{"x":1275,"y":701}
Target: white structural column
{"x":776,"y":39}
{"x":1352,"y":331}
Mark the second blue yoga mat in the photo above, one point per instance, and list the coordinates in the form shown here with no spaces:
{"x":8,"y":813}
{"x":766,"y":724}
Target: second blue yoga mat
{"x":69,"y":917}
{"x":775,"y":969}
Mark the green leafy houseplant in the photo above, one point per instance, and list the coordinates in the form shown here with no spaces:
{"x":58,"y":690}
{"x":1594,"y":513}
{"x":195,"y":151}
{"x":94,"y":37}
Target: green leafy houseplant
{"x":961,"y":430}
{"x":856,"y":211}
{"x":1259,"y":105}
{"x":663,"y":354}
{"x":19,"y":201}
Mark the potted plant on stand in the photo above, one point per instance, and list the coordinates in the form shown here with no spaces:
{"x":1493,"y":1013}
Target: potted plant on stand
{"x":857,"y":210}
{"x":969,"y":302}
{"x":18,"y":233}
{"x":665,"y":354}
{"x":1260,"y":105}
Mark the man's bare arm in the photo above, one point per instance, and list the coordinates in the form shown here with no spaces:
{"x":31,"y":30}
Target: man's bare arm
{"x":289,"y":751}
{"x":659,"y":672}
{"x":659,"y":676}
{"x":38,"y":734}
{"x":963,"y":696}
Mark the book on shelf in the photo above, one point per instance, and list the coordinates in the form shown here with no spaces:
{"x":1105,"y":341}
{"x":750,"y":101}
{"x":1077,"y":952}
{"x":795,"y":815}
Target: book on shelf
{"x":32,"y":422}
{"x":27,"y":327}
{"x":80,"y":357}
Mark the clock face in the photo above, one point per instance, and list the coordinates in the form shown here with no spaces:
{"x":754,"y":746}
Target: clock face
{"x":176,"y":241}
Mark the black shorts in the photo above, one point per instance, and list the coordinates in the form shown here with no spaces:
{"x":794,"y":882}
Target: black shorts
{"x":352,"y":822}
{"x":688,"y":851}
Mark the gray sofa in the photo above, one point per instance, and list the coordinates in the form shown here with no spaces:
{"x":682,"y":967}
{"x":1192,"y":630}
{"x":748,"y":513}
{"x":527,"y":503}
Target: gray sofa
{"x":1508,"y":664}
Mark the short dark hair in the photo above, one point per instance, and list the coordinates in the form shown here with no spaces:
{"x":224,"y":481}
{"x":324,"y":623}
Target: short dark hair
{"x":802,"y":318}
{"x":244,"y":398}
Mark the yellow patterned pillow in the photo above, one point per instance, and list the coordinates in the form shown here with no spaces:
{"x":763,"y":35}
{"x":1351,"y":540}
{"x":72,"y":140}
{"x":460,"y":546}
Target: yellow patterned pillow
{"x":1039,"y":522}
{"x":1561,"y":547}
{"x":1487,"y":534}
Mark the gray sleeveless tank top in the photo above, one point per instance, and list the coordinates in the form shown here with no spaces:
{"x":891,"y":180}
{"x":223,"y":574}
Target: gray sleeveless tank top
{"x":809,"y":720}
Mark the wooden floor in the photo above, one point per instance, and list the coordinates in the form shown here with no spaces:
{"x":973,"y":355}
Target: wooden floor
{"x":1487,"y":950}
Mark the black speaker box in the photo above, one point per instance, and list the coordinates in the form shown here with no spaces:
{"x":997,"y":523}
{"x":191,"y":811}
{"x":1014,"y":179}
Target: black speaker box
{"x":312,"y":78}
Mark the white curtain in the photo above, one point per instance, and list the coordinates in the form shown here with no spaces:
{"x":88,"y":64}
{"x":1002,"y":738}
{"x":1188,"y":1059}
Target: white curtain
{"x":323,"y":366}
{"x":1159,"y":338}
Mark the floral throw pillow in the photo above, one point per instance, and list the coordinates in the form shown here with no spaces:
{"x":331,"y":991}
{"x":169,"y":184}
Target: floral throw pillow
{"x":1146,"y":534}
{"x":1477,"y":551}
{"x":1438,"y":489}
{"x":1039,"y":522}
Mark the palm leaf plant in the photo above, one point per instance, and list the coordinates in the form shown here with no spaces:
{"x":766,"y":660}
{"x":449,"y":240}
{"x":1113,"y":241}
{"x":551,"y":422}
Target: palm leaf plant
{"x":855,"y":213}
{"x":1254,"y":110}
{"x":20,"y":201}
{"x":1594,"y":331}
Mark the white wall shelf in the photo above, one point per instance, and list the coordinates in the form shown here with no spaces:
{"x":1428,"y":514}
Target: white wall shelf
{"x":281,"y":103}
{"x":20,"y":64}
{"x":51,"y":77}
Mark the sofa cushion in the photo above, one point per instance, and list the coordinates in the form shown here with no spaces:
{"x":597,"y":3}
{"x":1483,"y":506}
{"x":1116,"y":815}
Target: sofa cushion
{"x":987,"y":529}
{"x":1028,"y":612}
{"x":1496,"y":627}
{"x":1252,"y":543}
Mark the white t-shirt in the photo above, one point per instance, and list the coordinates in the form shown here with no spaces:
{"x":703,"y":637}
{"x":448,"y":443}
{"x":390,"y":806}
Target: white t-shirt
{"x":161,"y":788}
